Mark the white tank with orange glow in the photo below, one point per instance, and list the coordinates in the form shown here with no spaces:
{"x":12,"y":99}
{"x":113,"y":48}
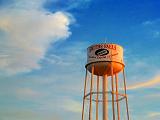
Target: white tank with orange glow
{"x":103,"y":56}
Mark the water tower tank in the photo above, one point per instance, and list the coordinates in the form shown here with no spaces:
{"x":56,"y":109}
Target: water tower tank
{"x":105,"y":96}
{"x":101,"y":55}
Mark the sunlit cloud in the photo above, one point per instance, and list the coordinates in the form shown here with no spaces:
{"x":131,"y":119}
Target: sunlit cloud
{"x":28,"y":32}
{"x":154,"y":81}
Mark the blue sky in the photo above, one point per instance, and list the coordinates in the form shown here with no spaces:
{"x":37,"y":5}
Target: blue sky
{"x":43,"y":53}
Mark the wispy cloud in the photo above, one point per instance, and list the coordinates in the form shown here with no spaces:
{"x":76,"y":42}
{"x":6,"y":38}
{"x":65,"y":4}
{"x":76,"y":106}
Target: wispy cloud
{"x":28,"y":30}
{"x":156,"y":34}
{"x":67,"y":5}
{"x":153,"y":27}
{"x":154,"y":114}
{"x":27,"y":93}
{"x":71,"y":105}
{"x":150,"y":83}
{"x":55,"y":59}
{"x":23,"y":114}
{"x":150,"y":22}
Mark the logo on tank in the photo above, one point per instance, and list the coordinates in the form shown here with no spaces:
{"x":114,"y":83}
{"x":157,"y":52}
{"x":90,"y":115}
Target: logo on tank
{"x":101,"y":52}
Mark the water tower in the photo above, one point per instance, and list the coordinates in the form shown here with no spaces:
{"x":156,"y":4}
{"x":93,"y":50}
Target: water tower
{"x":105,"y":95}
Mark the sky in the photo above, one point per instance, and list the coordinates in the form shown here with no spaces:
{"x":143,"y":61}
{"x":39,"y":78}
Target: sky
{"x":43,"y":55}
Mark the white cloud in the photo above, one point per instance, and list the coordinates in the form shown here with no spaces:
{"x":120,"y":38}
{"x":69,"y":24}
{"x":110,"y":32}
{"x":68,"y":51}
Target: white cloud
{"x":154,"y":81}
{"x":27,"y":32}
